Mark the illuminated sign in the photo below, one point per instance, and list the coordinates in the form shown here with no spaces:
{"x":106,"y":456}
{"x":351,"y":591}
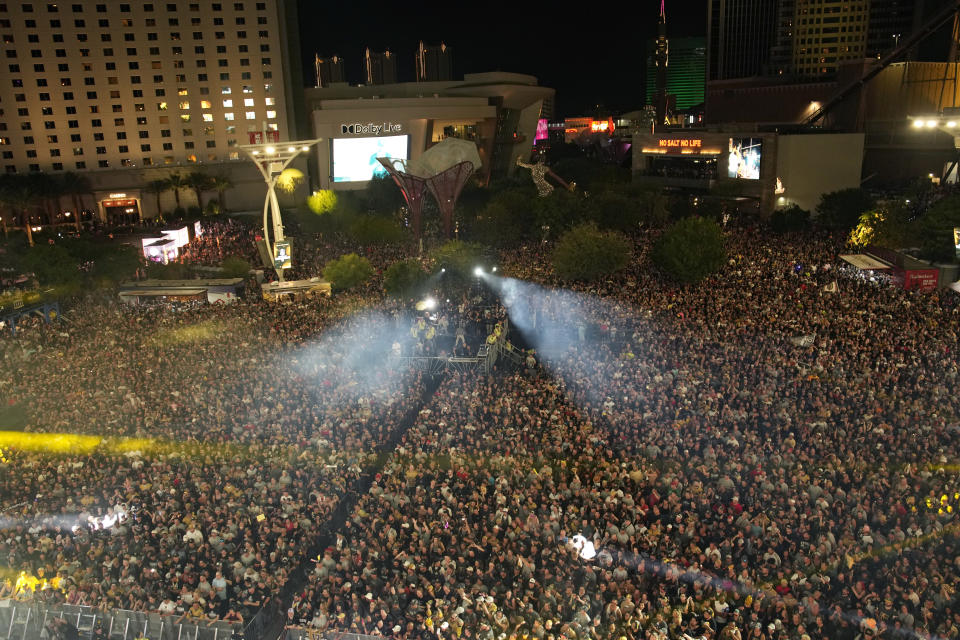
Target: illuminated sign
{"x":118,"y":195}
{"x":682,"y":143}
{"x":281,"y":255}
{"x":542,"y":130}
{"x":956,"y":240}
{"x":258,"y":137}
{"x":680,"y":146}
{"x":359,"y":129}
{"x":128,"y":202}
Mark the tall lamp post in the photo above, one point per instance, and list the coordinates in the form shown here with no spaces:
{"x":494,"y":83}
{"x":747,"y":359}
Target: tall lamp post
{"x":271,"y":159}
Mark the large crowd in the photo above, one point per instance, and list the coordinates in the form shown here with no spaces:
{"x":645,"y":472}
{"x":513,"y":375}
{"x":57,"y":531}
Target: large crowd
{"x":770,"y":454}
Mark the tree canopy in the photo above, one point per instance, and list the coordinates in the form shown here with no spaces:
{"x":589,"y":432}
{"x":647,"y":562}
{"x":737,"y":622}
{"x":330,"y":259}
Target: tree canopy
{"x":586,"y":253}
{"x":690,"y":250}
{"x":841,"y":210}
{"x":347,"y":271}
{"x":404,"y":278}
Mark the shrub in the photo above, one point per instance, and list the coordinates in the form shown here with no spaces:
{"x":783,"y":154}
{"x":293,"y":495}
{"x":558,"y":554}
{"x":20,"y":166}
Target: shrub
{"x":348,"y":271}
{"x":690,"y":250}
{"x":404,"y":278}
{"x":586,"y":253}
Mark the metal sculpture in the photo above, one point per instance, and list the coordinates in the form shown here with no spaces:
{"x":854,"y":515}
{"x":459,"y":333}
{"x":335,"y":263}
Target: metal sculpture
{"x":412,"y":187}
{"x":444,"y":169}
{"x":539,"y":173}
{"x":446,"y":187}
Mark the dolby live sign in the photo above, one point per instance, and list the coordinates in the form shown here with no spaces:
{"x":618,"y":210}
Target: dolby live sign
{"x":371,"y":128}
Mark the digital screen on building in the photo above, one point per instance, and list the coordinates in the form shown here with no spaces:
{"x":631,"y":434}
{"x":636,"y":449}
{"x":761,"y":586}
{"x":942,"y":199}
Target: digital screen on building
{"x":281,"y":255}
{"x":355,"y":159}
{"x":542,"y":131}
{"x":743,"y":160}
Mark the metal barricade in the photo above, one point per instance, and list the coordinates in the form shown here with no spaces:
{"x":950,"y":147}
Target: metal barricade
{"x":25,"y":621}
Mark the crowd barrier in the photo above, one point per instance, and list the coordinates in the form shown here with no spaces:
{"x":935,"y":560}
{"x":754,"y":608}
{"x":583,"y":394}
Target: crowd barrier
{"x":26,"y":621}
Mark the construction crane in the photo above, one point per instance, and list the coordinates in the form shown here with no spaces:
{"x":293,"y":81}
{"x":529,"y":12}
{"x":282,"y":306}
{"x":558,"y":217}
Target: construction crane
{"x":948,"y":12}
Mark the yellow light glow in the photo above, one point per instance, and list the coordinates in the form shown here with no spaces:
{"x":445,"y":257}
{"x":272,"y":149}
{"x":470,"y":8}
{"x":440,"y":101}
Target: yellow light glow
{"x":305,"y":148}
{"x":918,"y":124}
{"x":270,"y":150}
{"x":291,"y":149}
{"x":931,"y":124}
{"x":951,"y":124}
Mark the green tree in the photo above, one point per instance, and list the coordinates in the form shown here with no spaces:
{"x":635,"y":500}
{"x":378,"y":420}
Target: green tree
{"x":220,"y":183}
{"x":110,"y":262}
{"x":374,"y":230}
{"x":382,"y":195}
{"x":459,"y":258}
{"x":587,"y":253}
{"x":52,"y":264}
{"x":234,"y":267}
{"x":506,"y":219}
{"x":322,"y":202}
{"x":199,"y":181}
{"x":19,"y":197}
{"x":841,"y":210}
{"x":175,"y":182}
{"x":935,"y":229}
{"x":559,"y":211}
{"x":157,"y":188}
{"x":790,"y":219}
{"x":615,"y":209}
{"x":887,"y":226}
{"x":347,"y":272}
{"x":404,"y":278}
{"x":76,"y":186}
{"x":690,"y":250}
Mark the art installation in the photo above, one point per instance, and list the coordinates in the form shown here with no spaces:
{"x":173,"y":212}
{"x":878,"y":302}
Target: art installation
{"x":443,"y":169}
{"x":539,"y":173}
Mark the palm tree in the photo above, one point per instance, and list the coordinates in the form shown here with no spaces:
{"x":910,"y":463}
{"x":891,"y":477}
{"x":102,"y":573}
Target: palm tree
{"x":48,"y":189}
{"x":75,"y":185}
{"x":18,"y":194}
{"x":220,"y":184}
{"x":176,"y":181}
{"x":199,"y":182}
{"x":157,"y":187}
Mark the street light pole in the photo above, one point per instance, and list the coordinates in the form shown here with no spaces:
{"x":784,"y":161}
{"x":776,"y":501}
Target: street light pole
{"x":272,"y":160}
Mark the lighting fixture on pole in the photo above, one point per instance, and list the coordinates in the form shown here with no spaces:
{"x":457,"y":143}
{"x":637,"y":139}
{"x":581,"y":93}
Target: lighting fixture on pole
{"x":272,"y":159}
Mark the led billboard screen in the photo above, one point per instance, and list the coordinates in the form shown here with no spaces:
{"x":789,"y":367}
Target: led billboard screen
{"x":281,"y":255}
{"x":743,"y":160}
{"x":542,"y":131}
{"x":355,"y":159}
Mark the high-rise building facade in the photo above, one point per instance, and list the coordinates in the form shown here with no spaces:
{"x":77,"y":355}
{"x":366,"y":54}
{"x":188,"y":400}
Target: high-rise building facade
{"x":780,"y":62}
{"x":433,"y":64}
{"x":827,"y":32}
{"x":379,"y":67}
{"x":891,"y":21}
{"x":97,"y":86}
{"x":329,"y":70}
{"x":740,"y":34}
{"x":685,"y":72}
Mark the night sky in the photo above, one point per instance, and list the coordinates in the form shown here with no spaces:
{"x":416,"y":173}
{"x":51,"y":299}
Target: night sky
{"x":592,"y":53}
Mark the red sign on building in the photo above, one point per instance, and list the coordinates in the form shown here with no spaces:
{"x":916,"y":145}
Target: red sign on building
{"x":258,"y":137}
